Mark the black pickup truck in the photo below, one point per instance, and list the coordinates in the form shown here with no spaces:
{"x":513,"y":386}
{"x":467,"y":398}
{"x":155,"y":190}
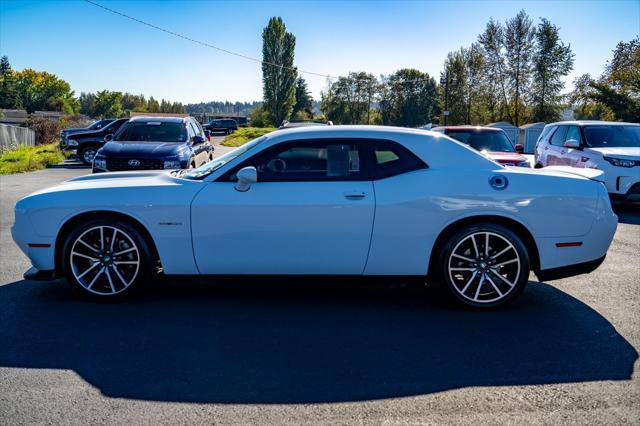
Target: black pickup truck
{"x":87,"y":143}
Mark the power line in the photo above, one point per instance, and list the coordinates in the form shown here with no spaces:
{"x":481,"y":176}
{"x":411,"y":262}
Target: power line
{"x":220,"y":49}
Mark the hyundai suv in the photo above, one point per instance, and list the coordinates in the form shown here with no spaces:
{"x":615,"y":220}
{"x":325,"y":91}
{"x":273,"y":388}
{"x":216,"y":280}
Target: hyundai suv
{"x":612,"y":147}
{"x":150,"y":143}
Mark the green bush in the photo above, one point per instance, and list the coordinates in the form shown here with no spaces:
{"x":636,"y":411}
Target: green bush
{"x":29,"y":158}
{"x":245,"y":134}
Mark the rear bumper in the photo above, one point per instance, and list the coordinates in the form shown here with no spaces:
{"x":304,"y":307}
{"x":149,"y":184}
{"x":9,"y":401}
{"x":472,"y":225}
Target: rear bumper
{"x":570,"y":270}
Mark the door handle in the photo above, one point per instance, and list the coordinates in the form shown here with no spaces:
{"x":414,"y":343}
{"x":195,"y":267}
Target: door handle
{"x":354,"y":195}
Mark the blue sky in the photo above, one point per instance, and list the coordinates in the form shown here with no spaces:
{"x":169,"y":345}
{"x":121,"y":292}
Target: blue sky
{"x":93,"y":49}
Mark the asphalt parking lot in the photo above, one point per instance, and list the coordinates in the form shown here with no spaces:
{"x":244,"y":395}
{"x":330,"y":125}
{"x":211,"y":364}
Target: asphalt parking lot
{"x":190,"y":352}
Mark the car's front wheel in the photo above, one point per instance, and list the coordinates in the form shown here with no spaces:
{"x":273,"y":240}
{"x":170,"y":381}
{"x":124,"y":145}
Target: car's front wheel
{"x":485,"y":265}
{"x":87,"y":154}
{"x":106,"y":258}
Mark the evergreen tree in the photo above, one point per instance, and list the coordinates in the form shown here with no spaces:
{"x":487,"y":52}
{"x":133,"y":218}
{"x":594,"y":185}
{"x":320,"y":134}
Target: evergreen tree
{"x":9,"y":98}
{"x":304,"y":101}
{"x":278,"y":74}
{"x":519,"y":39}
{"x":552,"y":60}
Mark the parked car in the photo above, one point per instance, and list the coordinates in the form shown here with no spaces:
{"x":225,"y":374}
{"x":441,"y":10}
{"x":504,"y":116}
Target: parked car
{"x":491,"y":141}
{"x":155,"y":143}
{"x":303,"y":123}
{"x":87,"y":143}
{"x":612,"y":147}
{"x":359,"y":201}
{"x":224,"y":125}
{"x":95,"y":126}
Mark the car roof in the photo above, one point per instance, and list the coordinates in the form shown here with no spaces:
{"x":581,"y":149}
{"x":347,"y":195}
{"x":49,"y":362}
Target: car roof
{"x":364,"y":131}
{"x":468,"y":127}
{"x":592,"y":123}
{"x":160,"y":119}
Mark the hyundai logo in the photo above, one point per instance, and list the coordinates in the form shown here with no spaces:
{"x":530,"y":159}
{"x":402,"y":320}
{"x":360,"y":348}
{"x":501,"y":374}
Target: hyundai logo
{"x":134,"y":163}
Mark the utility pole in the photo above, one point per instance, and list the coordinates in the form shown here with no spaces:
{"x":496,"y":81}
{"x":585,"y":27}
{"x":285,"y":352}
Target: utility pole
{"x":445,"y":81}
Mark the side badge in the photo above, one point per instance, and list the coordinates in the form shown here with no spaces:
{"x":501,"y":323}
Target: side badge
{"x":498,"y":182}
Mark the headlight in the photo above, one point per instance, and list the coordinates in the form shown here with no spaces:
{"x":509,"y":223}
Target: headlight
{"x":173,"y":164}
{"x":72,"y":142}
{"x":100,"y":163}
{"x":524,"y":164}
{"x":620,"y":162}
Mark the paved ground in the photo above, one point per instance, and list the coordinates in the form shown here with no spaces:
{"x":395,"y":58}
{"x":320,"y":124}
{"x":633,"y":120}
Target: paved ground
{"x":565,"y":352}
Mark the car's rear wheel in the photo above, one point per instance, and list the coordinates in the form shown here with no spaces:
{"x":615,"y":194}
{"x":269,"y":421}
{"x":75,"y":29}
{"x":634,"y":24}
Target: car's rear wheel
{"x":87,"y":154}
{"x":106,"y":258}
{"x":485,"y":265}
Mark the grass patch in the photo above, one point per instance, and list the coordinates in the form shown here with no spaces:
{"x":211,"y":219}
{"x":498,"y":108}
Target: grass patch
{"x":29,"y":158}
{"x":245,"y":134}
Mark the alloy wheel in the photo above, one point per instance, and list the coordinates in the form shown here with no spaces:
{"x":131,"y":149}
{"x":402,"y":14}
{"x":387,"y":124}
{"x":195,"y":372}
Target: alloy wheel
{"x":484,"y":267}
{"x":105,"y":260}
{"x":88,"y":154}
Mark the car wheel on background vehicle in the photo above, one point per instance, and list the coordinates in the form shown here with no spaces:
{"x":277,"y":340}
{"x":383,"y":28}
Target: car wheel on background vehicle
{"x":106,"y":259}
{"x":484,"y":265}
{"x":86,"y":154}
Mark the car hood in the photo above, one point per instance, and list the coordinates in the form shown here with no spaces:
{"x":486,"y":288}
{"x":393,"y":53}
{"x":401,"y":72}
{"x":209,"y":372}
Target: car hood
{"x":630,"y":153}
{"x":142,"y":149}
{"x":505,"y":157}
{"x":83,"y":133}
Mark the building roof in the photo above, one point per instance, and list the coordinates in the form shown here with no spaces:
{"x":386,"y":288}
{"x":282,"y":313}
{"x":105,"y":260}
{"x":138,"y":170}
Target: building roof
{"x":501,"y":124}
{"x":530,"y":125}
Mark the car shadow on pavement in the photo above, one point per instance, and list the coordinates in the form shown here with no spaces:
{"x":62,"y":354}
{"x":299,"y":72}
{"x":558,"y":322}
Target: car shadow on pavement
{"x":306,"y":343}
{"x":628,"y":213}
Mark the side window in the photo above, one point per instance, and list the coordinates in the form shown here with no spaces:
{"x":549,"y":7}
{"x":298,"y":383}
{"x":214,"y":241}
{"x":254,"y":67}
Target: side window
{"x":558,"y":137}
{"x":191,"y":132}
{"x":392,"y":159}
{"x":195,"y":129}
{"x":574,"y":133}
{"x":327,"y":160}
{"x":545,"y":133}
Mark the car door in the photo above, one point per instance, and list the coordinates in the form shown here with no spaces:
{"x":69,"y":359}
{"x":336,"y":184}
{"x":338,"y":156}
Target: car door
{"x":310,"y":212}
{"x":555,"y":149}
{"x":574,"y":157}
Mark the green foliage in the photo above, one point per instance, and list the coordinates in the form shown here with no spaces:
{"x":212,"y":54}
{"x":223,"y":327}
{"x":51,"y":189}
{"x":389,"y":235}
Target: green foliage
{"x":245,"y":134}
{"x":9,"y":98}
{"x":408,"y":98}
{"x":304,"y":102}
{"x":551,"y":61}
{"x":117,"y":104}
{"x":258,"y":117}
{"x":616,"y":94}
{"x":519,"y":43}
{"x":41,"y":91}
{"x":349,"y":100}
{"x":278,"y":73}
{"x":29,"y":158}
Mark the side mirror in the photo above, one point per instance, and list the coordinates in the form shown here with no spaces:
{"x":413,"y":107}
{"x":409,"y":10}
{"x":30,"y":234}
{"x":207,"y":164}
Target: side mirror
{"x":197,"y":139}
{"x":246,"y":177}
{"x":571,"y":143}
{"x":519,"y":148}
{"x":207,"y":133}
{"x":109,"y":137}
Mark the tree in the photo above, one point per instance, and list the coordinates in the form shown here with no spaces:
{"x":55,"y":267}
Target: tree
{"x":552,"y":60}
{"x":492,"y":41}
{"x":408,"y":98}
{"x":9,"y":98}
{"x":278,"y":72}
{"x":108,"y":104}
{"x":349,"y":99}
{"x":153,"y":105}
{"x":304,"y":101}
{"x":616,"y":94}
{"x":519,"y":43}
{"x":39,"y":90}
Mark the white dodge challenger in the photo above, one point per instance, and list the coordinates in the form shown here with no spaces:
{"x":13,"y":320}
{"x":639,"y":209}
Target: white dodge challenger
{"x":332,"y":201}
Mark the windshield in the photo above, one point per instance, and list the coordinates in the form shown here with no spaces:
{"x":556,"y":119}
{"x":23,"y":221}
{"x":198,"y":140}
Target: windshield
{"x":216,"y":163}
{"x":483,"y":140}
{"x":152,"y":131}
{"x":612,"y":136}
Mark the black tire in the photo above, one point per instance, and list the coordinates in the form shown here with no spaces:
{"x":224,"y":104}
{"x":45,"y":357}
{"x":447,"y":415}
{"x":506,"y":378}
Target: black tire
{"x":84,"y":154}
{"x":113,"y":276}
{"x":482,"y":287}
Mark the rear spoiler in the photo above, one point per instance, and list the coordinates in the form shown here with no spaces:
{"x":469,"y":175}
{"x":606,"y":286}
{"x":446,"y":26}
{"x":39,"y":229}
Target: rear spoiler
{"x":592,"y":174}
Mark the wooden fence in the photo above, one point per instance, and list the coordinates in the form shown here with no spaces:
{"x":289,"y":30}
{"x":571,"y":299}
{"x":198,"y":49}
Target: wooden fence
{"x":14,"y":136}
